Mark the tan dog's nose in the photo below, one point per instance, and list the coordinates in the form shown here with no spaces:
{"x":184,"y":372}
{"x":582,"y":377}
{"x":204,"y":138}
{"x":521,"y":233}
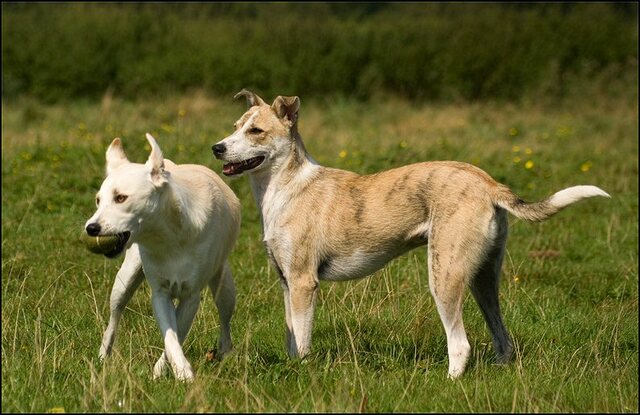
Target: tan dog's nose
{"x":218,"y":149}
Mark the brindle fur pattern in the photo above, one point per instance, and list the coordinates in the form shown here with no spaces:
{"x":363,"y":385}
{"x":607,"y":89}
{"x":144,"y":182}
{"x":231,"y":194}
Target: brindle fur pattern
{"x":322,"y":223}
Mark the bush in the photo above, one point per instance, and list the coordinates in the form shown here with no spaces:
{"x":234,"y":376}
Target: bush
{"x":420,"y":51}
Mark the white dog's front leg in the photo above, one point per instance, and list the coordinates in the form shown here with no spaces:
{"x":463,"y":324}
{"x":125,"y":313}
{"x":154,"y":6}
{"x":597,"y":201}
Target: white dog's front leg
{"x":166,"y":317}
{"x":185,"y":314}
{"x":302,"y":294}
{"x":127,"y":281}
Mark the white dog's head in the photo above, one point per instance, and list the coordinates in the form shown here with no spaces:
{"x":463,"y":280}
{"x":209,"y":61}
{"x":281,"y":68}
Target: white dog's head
{"x":263,"y":138}
{"x":130,"y":193}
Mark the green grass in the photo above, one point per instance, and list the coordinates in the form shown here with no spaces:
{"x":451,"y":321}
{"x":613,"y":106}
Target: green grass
{"x":378,"y":344}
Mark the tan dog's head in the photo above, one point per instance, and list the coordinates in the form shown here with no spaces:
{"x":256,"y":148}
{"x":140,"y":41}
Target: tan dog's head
{"x":128,"y":196}
{"x":263,"y":138}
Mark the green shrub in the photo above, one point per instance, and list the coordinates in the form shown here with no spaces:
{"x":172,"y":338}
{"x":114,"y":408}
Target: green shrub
{"x":420,"y":51}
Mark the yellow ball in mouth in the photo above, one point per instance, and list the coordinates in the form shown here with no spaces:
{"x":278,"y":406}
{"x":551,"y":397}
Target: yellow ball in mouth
{"x":100,"y":244}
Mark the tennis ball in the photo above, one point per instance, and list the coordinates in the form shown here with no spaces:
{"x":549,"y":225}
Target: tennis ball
{"x":100,"y":244}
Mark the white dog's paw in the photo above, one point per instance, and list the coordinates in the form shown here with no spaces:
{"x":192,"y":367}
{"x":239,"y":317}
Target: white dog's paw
{"x":185,"y":374}
{"x":455,"y":373}
{"x":160,"y":368}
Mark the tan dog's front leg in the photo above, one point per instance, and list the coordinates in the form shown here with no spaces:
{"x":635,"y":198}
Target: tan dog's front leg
{"x":302,"y":297}
{"x":289,"y":344}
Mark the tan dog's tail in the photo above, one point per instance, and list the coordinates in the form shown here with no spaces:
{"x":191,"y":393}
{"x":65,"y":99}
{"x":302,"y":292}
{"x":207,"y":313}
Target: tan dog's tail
{"x":538,"y":211}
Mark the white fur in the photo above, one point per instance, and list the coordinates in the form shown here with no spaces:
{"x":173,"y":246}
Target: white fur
{"x":183,"y":222}
{"x":573,"y":194}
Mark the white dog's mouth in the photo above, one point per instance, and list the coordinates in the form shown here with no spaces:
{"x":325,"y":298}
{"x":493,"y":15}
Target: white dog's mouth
{"x":231,"y":169}
{"x":123,"y":238}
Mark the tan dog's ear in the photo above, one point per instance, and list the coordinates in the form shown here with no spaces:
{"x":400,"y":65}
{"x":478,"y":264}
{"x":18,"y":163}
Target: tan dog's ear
{"x":287,"y":108}
{"x":115,"y":155}
{"x":155,"y":163}
{"x":252,"y":99}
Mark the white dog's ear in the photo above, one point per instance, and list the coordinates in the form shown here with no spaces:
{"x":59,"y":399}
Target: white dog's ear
{"x":115,"y":155}
{"x":252,"y":99}
{"x":287,"y":108}
{"x":155,"y":163}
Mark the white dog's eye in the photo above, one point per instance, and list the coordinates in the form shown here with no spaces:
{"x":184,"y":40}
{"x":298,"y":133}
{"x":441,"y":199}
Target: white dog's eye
{"x":97,"y":201}
{"x":120,"y":198}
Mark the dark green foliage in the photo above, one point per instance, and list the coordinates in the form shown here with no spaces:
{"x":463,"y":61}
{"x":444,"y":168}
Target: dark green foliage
{"x":416,"y":50}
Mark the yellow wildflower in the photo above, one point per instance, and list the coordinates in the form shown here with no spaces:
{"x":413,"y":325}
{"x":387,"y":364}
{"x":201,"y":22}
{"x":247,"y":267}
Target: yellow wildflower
{"x":513,"y":131}
{"x":516,"y":149}
{"x":517,"y":160}
{"x":343,"y":154}
{"x":528,"y":165}
{"x":586,"y":166}
{"x":528,"y":151}
{"x":403,"y":144}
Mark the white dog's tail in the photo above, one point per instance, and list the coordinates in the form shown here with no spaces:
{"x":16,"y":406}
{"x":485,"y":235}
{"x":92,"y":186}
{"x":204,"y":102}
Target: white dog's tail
{"x":538,"y":211}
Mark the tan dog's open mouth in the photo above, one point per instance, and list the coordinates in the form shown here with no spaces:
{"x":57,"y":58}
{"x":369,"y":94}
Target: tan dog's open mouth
{"x":232,"y":169}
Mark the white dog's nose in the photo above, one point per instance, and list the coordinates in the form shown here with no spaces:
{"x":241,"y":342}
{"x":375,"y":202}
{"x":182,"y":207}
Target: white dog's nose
{"x":93,"y":229}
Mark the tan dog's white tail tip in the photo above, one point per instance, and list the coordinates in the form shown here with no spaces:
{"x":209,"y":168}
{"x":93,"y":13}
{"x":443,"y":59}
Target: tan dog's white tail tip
{"x":573,"y":194}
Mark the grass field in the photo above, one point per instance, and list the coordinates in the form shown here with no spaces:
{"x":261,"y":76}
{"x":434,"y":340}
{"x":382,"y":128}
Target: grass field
{"x":569,"y":291}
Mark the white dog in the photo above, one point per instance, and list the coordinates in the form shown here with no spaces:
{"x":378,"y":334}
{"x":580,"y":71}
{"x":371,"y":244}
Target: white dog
{"x":178,"y":224}
{"x":321,"y":223}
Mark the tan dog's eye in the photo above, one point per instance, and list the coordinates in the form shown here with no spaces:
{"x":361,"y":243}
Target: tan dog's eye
{"x":120,"y":198}
{"x":255,"y":130}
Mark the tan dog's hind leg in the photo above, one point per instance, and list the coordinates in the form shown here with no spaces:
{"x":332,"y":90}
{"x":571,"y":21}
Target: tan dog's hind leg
{"x":456,"y":249}
{"x":302,"y":293}
{"x":485,"y":285}
{"x":449,"y":305}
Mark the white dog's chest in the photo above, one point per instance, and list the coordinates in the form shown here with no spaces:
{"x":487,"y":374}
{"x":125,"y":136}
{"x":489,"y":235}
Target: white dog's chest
{"x":177,"y":278}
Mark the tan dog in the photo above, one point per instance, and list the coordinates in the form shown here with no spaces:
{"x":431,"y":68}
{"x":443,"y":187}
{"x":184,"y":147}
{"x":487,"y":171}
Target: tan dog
{"x":321,"y":223}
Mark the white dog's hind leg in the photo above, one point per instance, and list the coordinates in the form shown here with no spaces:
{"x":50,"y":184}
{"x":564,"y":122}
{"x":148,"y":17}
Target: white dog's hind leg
{"x":166,"y":317}
{"x":127,"y":281}
{"x":223,"y":291}
{"x":303,"y":293}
